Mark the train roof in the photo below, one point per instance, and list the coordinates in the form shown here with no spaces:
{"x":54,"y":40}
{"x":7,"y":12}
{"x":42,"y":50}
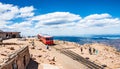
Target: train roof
{"x":45,"y":35}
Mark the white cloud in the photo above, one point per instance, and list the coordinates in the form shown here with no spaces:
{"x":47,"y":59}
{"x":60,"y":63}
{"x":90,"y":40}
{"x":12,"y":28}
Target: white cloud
{"x":2,"y":23}
{"x":56,"y":18}
{"x":98,"y":16}
{"x":57,"y":15}
{"x":3,"y":7}
{"x":9,"y":11}
{"x":99,"y":20}
{"x":26,"y":11}
{"x":22,"y":24}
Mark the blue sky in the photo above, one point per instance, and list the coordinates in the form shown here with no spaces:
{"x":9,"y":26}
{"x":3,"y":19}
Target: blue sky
{"x":60,"y":17}
{"x":82,"y":7}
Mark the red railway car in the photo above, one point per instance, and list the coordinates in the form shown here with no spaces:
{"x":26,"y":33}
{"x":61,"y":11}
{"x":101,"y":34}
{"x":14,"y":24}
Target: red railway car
{"x":47,"y":40}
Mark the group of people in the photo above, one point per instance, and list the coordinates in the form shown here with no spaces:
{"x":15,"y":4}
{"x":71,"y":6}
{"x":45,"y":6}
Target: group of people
{"x":33,"y":44}
{"x":91,"y":50}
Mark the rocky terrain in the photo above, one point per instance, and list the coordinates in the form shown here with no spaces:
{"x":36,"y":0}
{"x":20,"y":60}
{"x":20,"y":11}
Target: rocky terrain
{"x":42,"y":58}
{"x":101,"y":54}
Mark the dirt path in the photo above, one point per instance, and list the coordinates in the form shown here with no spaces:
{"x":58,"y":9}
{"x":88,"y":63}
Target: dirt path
{"x":66,"y":62}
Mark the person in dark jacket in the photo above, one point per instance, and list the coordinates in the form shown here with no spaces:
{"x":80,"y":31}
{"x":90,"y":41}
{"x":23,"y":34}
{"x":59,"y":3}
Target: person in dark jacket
{"x":47,"y":47}
{"x":94,"y":50}
{"x":81,"y":50}
{"x":90,"y":51}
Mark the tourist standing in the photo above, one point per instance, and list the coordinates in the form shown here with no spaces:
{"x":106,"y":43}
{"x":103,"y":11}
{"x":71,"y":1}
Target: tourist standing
{"x":1,"y":41}
{"x":81,"y":50}
{"x":33,"y":43}
{"x":90,"y":51}
{"x":47,"y":47}
{"x":94,"y":50}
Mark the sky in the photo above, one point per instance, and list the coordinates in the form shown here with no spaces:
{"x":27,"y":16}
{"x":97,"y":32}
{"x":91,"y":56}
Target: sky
{"x":60,"y":17}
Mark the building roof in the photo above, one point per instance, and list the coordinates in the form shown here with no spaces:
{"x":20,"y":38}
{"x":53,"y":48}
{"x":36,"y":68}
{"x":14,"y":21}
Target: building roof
{"x":45,"y":35}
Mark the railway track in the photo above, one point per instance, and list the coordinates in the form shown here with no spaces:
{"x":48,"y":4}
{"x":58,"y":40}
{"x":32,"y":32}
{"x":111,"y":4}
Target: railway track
{"x":79,"y":58}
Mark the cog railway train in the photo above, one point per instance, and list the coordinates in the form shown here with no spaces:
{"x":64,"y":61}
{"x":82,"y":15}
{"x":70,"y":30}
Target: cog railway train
{"x":46,"y":39}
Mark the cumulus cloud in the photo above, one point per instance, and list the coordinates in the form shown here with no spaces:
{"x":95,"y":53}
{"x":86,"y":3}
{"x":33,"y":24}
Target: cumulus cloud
{"x":9,"y":11}
{"x":21,"y":25}
{"x":97,"y":16}
{"x":99,"y":20}
{"x":26,"y":11}
{"x":56,"y":18}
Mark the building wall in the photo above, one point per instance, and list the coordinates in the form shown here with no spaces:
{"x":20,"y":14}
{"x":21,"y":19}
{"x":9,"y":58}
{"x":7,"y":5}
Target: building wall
{"x":20,"y":60}
{"x":17,"y":35}
{"x":5,"y":35}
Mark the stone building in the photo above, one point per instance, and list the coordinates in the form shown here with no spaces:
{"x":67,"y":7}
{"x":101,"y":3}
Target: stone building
{"x":5,"y":35}
{"x":14,"y":57}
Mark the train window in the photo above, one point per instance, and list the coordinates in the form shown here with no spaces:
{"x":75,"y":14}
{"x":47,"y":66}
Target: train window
{"x":49,"y":38}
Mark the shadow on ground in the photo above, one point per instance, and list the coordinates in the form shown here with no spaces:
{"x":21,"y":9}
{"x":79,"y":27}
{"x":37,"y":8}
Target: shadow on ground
{"x":11,"y":44}
{"x":32,"y":64}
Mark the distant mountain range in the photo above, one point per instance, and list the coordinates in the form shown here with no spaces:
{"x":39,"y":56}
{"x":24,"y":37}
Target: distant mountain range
{"x":112,"y":40}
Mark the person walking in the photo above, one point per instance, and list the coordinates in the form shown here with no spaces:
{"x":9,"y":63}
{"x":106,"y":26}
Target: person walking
{"x":33,"y":43}
{"x":81,"y":50}
{"x":94,"y":50}
{"x":47,"y":47}
{"x":90,"y":51}
{"x":1,"y":41}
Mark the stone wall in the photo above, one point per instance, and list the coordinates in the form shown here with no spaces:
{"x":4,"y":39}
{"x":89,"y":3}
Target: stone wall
{"x":18,"y":60}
